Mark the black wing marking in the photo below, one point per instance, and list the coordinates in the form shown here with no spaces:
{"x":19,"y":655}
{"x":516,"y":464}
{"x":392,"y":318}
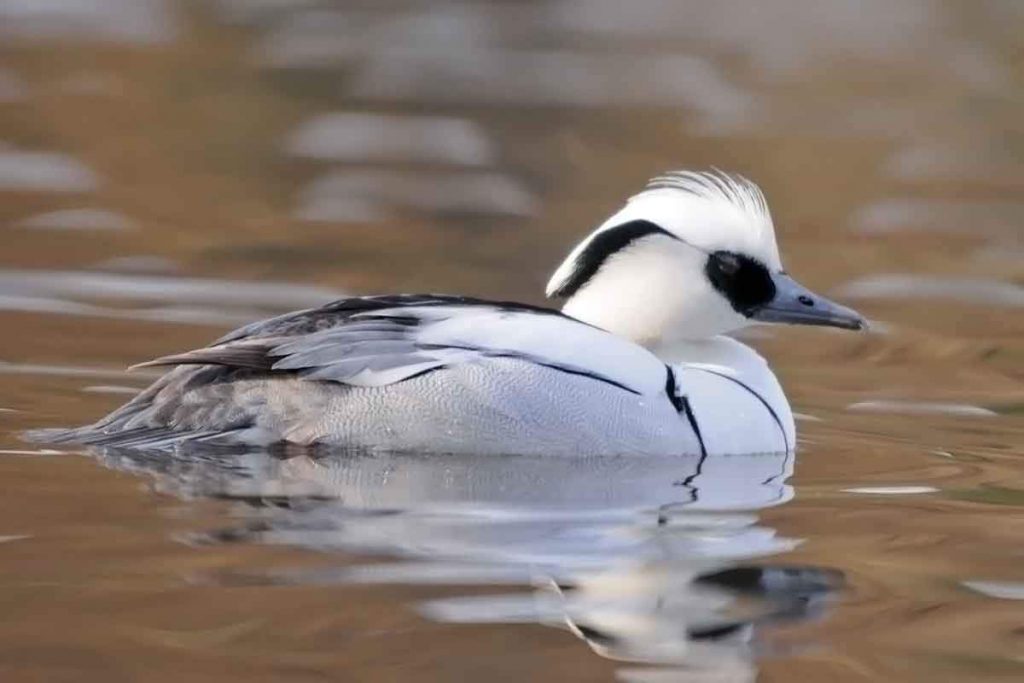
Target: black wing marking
{"x":374,"y":341}
{"x":261,"y":344}
{"x":338,"y":312}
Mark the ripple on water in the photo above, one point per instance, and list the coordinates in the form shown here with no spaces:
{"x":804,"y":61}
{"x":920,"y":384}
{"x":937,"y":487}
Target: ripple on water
{"x":1007,"y":253}
{"x":134,"y":287}
{"x":150,"y":265}
{"x":73,"y":371}
{"x":921,"y":408}
{"x":676,"y":563}
{"x":369,"y":137}
{"x":951,"y":216}
{"x":828,"y":31}
{"x":989,"y":162}
{"x":14,"y":537}
{"x":316,"y":37}
{"x":963,"y":289}
{"x":22,"y":171}
{"x":33,"y":452}
{"x":77,"y":220}
{"x":12,"y":88}
{"x":119,"y":21}
{"x":501,"y":76}
{"x":258,"y":11}
{"x":1005,"y":590}
{"x":116,"y":389}
{"x":92,"y":84}
{"x":654,"y":560}
{"x":892,"y":490}
{"x":334,"y":196}
{"x":157,"y":298}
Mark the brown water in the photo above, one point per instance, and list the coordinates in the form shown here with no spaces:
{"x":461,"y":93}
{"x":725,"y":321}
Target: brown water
{"x":201,"y":155}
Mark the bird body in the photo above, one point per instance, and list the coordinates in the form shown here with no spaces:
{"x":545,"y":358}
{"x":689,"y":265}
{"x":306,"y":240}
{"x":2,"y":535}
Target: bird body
{"x":635,"y":363}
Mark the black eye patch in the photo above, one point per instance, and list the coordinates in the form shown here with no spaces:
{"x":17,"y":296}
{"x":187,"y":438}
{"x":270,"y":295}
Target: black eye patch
{"x":744,"y":281}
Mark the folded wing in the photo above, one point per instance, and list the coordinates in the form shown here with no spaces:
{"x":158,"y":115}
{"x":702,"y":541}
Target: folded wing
{"x":376,"y":341}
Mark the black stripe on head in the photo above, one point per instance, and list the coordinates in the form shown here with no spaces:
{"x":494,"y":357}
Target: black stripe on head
{"x":744,"y":281}
{"x":601,"y":248}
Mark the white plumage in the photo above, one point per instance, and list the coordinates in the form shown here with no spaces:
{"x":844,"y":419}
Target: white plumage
{"x":634,"y":363}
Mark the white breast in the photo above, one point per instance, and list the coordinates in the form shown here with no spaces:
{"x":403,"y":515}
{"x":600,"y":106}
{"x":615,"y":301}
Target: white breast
{"x":736,"y":400}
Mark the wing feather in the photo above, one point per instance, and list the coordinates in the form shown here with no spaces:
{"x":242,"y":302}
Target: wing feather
{"x":253,"y":356}
{"x":374,"y":341}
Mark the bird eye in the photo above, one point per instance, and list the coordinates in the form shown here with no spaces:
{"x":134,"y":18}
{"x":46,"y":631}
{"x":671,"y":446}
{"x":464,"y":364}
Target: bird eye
{"x":727,"y":263}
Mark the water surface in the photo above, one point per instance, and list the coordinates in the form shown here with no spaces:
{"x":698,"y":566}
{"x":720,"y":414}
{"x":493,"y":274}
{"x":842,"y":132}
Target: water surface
{"x":171,"y":170}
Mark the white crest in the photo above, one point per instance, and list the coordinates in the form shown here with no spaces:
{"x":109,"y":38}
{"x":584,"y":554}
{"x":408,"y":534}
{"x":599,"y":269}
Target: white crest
{"x":708,"y":210}
{"x":716,"y":186}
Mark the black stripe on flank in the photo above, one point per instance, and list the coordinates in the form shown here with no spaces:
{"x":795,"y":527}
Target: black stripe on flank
{"x":692,"y":419}
{"x":535,"y":361}
{"x":759,"y":397}
{"x":683,"y":407}
{"x":600,"y":248}
{"x":670,"y":390}
{"x":580,"y":373}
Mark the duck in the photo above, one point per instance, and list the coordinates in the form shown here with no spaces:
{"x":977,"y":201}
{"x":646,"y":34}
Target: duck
{"x":638,"y":360}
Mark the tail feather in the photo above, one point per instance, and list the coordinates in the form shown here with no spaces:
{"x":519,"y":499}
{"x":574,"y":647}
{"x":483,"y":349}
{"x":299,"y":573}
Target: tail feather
{"x":143,"y":438}
{"x":54,"y":435}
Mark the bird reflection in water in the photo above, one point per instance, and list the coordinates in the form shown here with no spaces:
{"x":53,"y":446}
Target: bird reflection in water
{"x":650,"y":561}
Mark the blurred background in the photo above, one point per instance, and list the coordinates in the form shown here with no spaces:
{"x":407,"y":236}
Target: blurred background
{"x":170,"y":169}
